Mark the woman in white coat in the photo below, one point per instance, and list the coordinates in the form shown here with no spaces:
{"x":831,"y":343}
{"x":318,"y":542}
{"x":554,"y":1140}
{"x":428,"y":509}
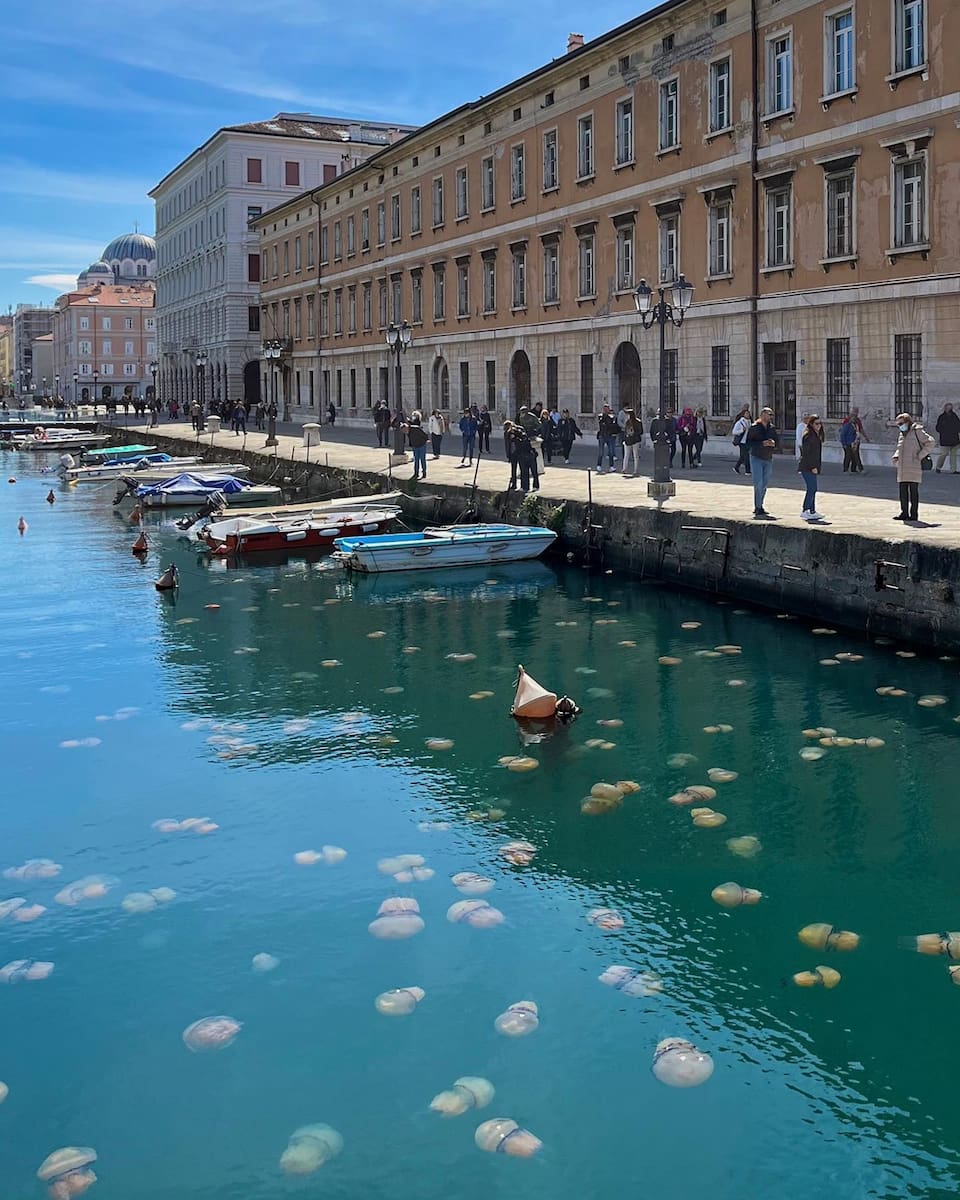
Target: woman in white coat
{"x":913,"y":446}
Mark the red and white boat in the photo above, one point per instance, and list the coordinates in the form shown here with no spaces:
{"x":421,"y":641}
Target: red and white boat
{"x":248,"y":535}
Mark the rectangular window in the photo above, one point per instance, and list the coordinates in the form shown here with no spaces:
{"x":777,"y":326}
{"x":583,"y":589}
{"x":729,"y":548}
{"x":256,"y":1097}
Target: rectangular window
{"x":276,"y":261}
{"x":85,"y":321}
{"x":106,"y":323}
{"x":909,"y":202}
{"x":382,"y":303}
{"x":439,"y":292}
{"x":381,"y":223}
{"x":311,"y":320}
{"x":351,"y":310}
{"x":324,"y":315}
{"x":670,"y":382}
{"x":253,"y":211}
{"x":368,"y":386}
{"x":489,"y":285}
{"x":551,"y":178}
{"x":779,"y":232}
{"x":462,"y":198}
{"x":839,"y":74}
{"x":128,"y":348}
{"x":286,"y":318}
{"x":586,"y":383}
{"x":551,"y":273}
{"x":491,"y":373}
{"x":910,"y":34}
{"x":669,"y":114}
{"x":719,"y":235}
{"x":311,"y":393}
{"x":438,"y":202}
{"x":586,"y":273}
{"x":291,"y":174}
{"x":720,"y":95}
{"x":297,"y":320}
{"x":297,"y":255}
{"x":463,"y":289}
{"x":838,"y":377}
{"x":585,"y":147}
{"x":553,"y":385}
{"x":669,"y":248}
{"x":253,"y":268}
{"x":310,"y":251}
{"x":416,"y":286}
{"x":488,"y":196}
{"x":519,"y":278}
{"x":415,"y":219}
{"x":779,"y":74}
{"x":418,"y":385}
{"x":128,"y":322}
{"x":365,"y":229}
{"x":324,"y":244}
{"x":351,"y":235}
{"x":625,"y":235}
{"x":106,"y":347}
{"x":840,"y":225}
{"x":107,"y":369}
{"x":129,"y":368}
{"x":465,"y":384}
{"x":624,"y":132}
{"x":337,"y":246}
{"x":518,"y":173}
{"x":353,"y":387}
{"x":254,"y":170}
{"x":396,"y":298}
{"x":339,"y":389}
{"x":720,"y":381}
{"x":367,"y":307}
{"x":84,"y":348}
{"x":395,"y":217}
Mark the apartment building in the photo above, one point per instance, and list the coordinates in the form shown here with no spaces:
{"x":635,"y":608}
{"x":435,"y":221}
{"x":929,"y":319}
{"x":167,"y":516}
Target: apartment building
{"x":104,"y":342}
{"x":794,"y":159}
{"x":30,"y":321}
{"x":6,"y":355}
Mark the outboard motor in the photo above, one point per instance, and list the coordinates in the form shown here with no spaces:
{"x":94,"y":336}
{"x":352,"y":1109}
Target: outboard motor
{"x":211,"y":507}
{"x":125,"y":487}
{"x":67,"y":463}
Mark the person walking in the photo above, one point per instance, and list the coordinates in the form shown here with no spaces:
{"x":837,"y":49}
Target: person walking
{"x":741,"y":427}
{"x":913,"y":446}
{"x":484,"y":429}
{"x":331,"y":414}
{"x":527,"y":461}
{"x":417,"y":440}
{"x":436,"y":427}
{"x":239,"y":421}
{"x":700,"y":436}
{"x":548,"y":437}
{"x":848,"y":440}
{"x":854,"y":419}
{"x":607,"y":438}
{"x":567,"y":431}
{"x":632,"y":441}
{"x":685,"y":430}
{"x":195,"y":415}
{"x":762,"y":440}
{"x":468,"y":433}
{"x":810,"y":461}
{"x":511,"y":444}
{"x":948,"y":433}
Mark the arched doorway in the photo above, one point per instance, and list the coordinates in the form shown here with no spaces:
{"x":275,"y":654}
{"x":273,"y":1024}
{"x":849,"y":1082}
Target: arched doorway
{"x":519,"y":381}
{"x":441,"y":384}
{"x":626,"y":377}
{"x":106,"y":392}
{"x":251,"y":382}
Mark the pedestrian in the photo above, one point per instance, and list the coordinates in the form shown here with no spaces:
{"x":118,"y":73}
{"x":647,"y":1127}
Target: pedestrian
{"x":126,"y":404}
{"x":511,"y":444}
{"x":398,"y":423}
{"x":632,"y":440}
{"x":468,"y":432}
{"x":437,"y":428}
{"x":331,"y":414}
{"x":811,"y":459}
{"x":527,"y":461}
{"x":239,"y":419}
{"x":665,"y":428}
{"x":528,"y":421}
{"x":762,"y":439}
{"x":800,"y":432}
{"x":258,"y":414}
{"x":567,"y":431}
{"x":848,"y":440}
{"x":484,"y":429}
{"x":195,"y":416}
{"x":417,"y":439}
{"x":686,"y":427}
{"x":548,"y":437}
{"x":607,"y":438}
{"x":741,"y":427}
{"x":700,"y":436}
{"x":382,"y":422}
{"x":948,"y":432}
{"x":912,"y":457}
{"x":854,"y":419}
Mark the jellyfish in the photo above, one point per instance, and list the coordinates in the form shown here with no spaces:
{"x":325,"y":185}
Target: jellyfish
{"x":931,"y":701}
{"x":91,"y":887}
{"x":611,"y":723}
{"x":4,"y":1091}
{"x":606,"y":919}
{"x":481,"y":695}
{"x":469,"y":1091}
{"x":519,"y":763}
{"x":399,"y":1002}
{"x":736,"y":683}
{"x":503,"y":1135}
{"x":627,"y":786}
{"x":812,"y":753}
{"x":34,"y":868}
{"x":25,"y":969}
{"x":262,"y":963}
{"x":679,"y":761}
{"x":598,"y":806}
{"x":461,"y":658}
{"x":667,"y":660}
{"x":708,"y":654}
{"x":67,"y":1171}
{"x":824,"y":632}
{"x":720,"y":775}
{"x":732,"y":895}
{"x":874,"y":743}
{"x":519,"y":854}
{"x":211,"y":1033}
{"x":138,"y":902}
{"x":392,"y":691}
{"x":9,"y":906}
{"x":953,"y":972}
{"x":947,"y":944}
{"x":829,"y":662}
{"x":606,"y":791}
{"x":825,"y":977}
{"x":905,"y":654}
{"x":377,"y":633}
{"x":694,"y":793}
{"x":729,"y":649}
{"x":678,"y":1063}
{"x":632,"y":982}
{"x":401,"y":862}
{"x":476,"y":913}
{"x":471,"y":884}
{"x":410,"y":649}
{"x":629,"y":644}
{"x":309,"y":1148}
{"x":821,"y":936}
{"x":706,"y":818}
{"x":690,"y":625}
{"x":439,"y":743}
{"x":434,"y":826}
{"x":397,"y":918}
{"x":744,"y":847}
{"x":29,"y":912}
{"x":331,"y":662}
{"x":520,"y":1018}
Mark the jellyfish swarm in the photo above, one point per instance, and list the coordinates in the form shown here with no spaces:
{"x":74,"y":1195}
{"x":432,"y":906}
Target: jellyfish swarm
{"x":91,"y":887}
{"x":631,"y":981}
{"x":309,"y":1148}
{"x":477,"y":913}
{"x":469,"y":1091}
{"x":66,"y":1172}
{"x":519,"y":1019}
{"x":397,"y":918}
{"x":25,"y":970}
{"x":821,"y":936}
{"x":678,"y":1063}
{"x":34,"y":868}
{"x":399,"y":1002}
{"x":502,"y":1135}
{"x":211,"y":1033}
{"x":607,"y":919}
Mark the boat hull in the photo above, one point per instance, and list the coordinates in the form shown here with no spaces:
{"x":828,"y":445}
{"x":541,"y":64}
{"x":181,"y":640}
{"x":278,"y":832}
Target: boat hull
{"x":468,"y":546}
{"x":258,"y":493}
{"x":151,"y":474}
{"x":306,"y":535}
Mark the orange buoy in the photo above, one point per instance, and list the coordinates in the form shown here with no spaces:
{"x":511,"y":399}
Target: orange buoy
{"x":532,"y":700}
{"x":51,"y":498}
{"x":140,"y":546}
{"x":136,"y":516}
{"x":168,"y":580}
{"x":22,"y":526}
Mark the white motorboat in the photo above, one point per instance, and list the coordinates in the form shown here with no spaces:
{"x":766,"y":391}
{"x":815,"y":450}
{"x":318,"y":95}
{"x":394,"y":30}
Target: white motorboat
{"x":444,"y":546}
{"x":247,"y":535}
{"x":151,"y":472}
{"x":58,"y":440}
{"x":190,"y":491}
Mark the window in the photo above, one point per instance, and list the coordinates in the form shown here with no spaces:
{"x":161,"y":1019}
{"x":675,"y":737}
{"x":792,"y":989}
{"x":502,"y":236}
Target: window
{"x":395,"y":217}
{"x":254,"y":170}
{"x":324,"y":247}
{"x":489,"y":284}
{"x":439,"y":292}
{"x":297,"y":320}
{"x":324,"y":315}
{"x":351,"y":310}
{"x":297,"y":255}
{"x":720,"y":95}
{"x":909,"y":34}
{"x":669,"y":114}
{"x":438,"y":202}
{"x":551,"y":273}
{"x":291,"y":174}
{"x":586,"y":383}
{"x":838,"y":377}
{"x":85,"y":321}
{"x":909,"y":201}
{"x":150,"y":324}
{"x":719,"y":239}
{"x":553,"y":389}
{"x":720,"y":381}
{"x":106,"y":369}
{"x":779,"y":74}
{"x":382,"y":303}
{"x":107,"y":323}
{"x":669,"y":247}
{"x":365,"y":229}
{"x":519,"y":278}
{"x":353,"y":387}
{"x":625,"y":236}
{"x":339,"y":389}
{"x":253,"y":211}
{"x":670,"y":382}
{"x":368,"y":385}
{"x":253,"y":320}
{"x":416,"y":285}
{"x":129,"y":368}
{"x":908,"y":372}
{"x":84,"y":348}
{"x":488,"y":196}
{"x":396,"y":298}
{"x":381,"y":223}
{"x":253,"y":268}
{"x":415,"y":220}
{"x":310,"y":241}
{"x":840,"y":223}
{"x":461,"y":190}
{"x":337,"y":246}
{"x":586,"y":274}
{"x":624,"y":132}
{"x":286,"y":318}
{"x":106,"y":347}
{"x":518,"y":174}
{"x":550,"y":168}
{"x":128,"y":322}
{"x":719,"y":18}
{"x":367,"y":306}
{"x":351,"y":235}
{"x":465,"y":384}
{"x":491,"y":391}
{"x":311,"y":321}
{"x":779,"y":232}
{"x":276,"y":262}
{"x":585,"y":147}
{"x":839,"y":74}
{"x":127,"y":349}
{"x":463,"y":289}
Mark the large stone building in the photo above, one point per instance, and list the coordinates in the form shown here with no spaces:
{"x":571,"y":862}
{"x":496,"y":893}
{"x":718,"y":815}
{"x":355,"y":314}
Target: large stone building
{"x":30,"y":321}
{"x":6,"y":356}
{"x":208,"y":274}
{"x":797,"y":160}
{"x":104,"y":342}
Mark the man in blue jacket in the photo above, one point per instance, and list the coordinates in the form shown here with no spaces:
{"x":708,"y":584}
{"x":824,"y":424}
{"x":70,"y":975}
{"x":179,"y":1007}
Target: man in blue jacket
{"x":468,"y":431}
{"x":762,"y":439}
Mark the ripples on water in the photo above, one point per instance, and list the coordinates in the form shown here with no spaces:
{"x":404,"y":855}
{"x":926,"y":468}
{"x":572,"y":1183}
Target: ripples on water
{"x":848,"y":1090}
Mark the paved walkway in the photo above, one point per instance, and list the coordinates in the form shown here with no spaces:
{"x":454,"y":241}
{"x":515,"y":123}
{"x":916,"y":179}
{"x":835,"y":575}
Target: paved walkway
{"x":860,"y":504}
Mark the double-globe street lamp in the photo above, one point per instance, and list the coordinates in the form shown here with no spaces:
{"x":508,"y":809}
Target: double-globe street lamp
{"x":271,"y":352}
{"x":662,"y":313}
{"x":154,"y":368}
{"x":96,"y":398}
{"x":399,"y":337}
{"x":76,"y":385}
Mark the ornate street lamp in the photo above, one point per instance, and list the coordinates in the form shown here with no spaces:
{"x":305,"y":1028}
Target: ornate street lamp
{"x":662,"y":313}
{"x":399,"y":338}
{"x":271,"y":352}
{"x":201,"y":362}
{"x":76,"y":395}
{"x":154,"y":368}
{"x":96,"y":378}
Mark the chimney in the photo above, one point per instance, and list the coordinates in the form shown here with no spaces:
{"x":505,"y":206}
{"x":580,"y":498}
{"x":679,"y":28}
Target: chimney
{"x":574,"y":42}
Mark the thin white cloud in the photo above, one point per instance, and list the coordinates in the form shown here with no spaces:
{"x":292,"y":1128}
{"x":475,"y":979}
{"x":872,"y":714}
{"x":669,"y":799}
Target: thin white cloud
{"x":57,"y":283}
{"x":19,"y":178}
{"x":39,"y":251}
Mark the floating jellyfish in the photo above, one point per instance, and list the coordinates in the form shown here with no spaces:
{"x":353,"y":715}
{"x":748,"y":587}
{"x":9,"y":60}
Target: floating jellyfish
{"x":138,"y":902}
{"x":736,"y":683}
{"x":25,"y":970}
{"x":397,"y":918}
{"x":947,"y":944}
{"x":874,"y":743}
{"x":296,"y":725}
{"x":720,"y":775}
{"x":667,"y":660}
{"x":410,"y":650}
{"x":631,"y":981}
{"x":824,"y":632}
{"x":598,"y":806}
{"x":953,"y":972}
{"x":607,"y":919}
{"x":482,"y":695}
{"x":331,"y":662}
{"x":678,"y":1063}
{"x":91,"y":887}
{"x":706,"y":818}
{"x":518,"y":853}
{"x":611,"y":723}
{"x":377,"y":633}
{"x":812,"y":753}
{"x":262,"y":963}
{"x":931,"y":701}
{"x":708,"y":654}
{"x":503,"y":1135}
{"x":829,"y":662}
{"x":718,"y":729}
{"x":434,"y":826}
{"x":906,"y":654}
{"x":585,"y":670}
{"x":732,"y":895}
{"x":9,"y":906}
{"x":212,"y":607}
{"x":744,"y":847}
{"x":461,"y":658}
{"x":78,"y":743}
{"x":729,"y":649}
{"x":401,"y":862}
{"x":309,"y":1148}
{"x":330,"y":855}
{"x":66,"y":1172}
{"x":400,"y":1002}
{"x":690,"y":625}
{"x":630,"y":645}
{"x":825,"y":977}
{"x":469,"y":1091}
{"x":821,"y":936}
{"x":34,"y":868}
{"x":519,"y":1019}
{"x":392,"y":691}
{"x":439,"y":743}
{"x":211,"y":1033}
{"x":471,"y":884}
{"x":628,"y":786}
{"x":29,"y":912}
{"x":679,"y":761}
{"x":519,"y":763}
{"x":4,"y":1092}
{"x":477,"y":913}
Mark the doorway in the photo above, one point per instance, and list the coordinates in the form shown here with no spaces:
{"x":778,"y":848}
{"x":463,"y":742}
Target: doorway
{"x":781,"y":370}
{"x":626,"y":374}
{"x":251,"y":383}
{"x":520,"y":381}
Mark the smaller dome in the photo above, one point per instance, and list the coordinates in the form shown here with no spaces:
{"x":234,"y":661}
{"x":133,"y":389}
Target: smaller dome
{"x":99,"y":268}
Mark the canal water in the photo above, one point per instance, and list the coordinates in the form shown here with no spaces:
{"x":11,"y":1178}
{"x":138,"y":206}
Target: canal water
{"x":123,"y":707}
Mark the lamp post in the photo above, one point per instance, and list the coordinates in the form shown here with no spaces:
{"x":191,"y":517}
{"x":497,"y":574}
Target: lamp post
{"x":398,"y":341}
{"x":56,"y":391}
{"x":201,"y":361}
{"x":271,"y":352}
{"x":662,"y":313}
{"x":76,"y":397}
{"x":96,"y":379}
{"x":154,"y":368}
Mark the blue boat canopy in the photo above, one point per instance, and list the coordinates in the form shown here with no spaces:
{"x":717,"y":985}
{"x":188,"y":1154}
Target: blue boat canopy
{"x":194,"y":484}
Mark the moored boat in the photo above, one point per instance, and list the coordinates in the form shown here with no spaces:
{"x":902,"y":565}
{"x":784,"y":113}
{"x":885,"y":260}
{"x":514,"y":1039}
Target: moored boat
{"x":185,"y":491}
{"x":443,"y":546}
{"x":58,"y":439}
{"x":148,"y":471}
{"x":120,"y":453}
{"x":248,"y":535}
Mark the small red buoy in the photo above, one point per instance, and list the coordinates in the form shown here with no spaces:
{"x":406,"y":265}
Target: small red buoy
{"x":212,"y":607}
{"x":22,"y":526}
{"x":140,"y":545}
{"x":51,"y":498}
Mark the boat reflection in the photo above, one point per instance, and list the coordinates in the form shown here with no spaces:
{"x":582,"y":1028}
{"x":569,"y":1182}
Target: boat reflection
{"x":511,"y":581}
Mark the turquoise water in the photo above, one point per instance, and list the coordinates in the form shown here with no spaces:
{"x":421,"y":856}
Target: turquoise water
{"x":849,"y":1090}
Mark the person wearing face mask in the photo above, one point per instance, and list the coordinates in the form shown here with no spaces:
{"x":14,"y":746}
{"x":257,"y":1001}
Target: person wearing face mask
{"x":913,"y":446}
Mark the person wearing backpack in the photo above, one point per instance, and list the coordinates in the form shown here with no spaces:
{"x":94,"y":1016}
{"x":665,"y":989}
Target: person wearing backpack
{"x":741,"y":427}
{"x":417,"y":441}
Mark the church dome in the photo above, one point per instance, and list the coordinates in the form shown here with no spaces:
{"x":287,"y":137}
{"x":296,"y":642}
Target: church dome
{"x":99,"y":268}
{"x":133,"y":246}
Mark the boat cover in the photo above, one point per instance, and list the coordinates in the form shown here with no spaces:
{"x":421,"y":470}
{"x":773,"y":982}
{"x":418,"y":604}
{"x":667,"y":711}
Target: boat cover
{"x":195,"y":483}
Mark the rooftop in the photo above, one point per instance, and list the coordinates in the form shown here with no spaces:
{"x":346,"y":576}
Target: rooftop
{"x":142,"y":296}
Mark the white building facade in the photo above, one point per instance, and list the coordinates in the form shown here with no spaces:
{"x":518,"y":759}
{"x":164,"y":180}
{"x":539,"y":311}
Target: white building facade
{"x":208,"y":260}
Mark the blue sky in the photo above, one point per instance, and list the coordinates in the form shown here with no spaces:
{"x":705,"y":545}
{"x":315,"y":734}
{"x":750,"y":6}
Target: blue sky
{"x":102,"y":98}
